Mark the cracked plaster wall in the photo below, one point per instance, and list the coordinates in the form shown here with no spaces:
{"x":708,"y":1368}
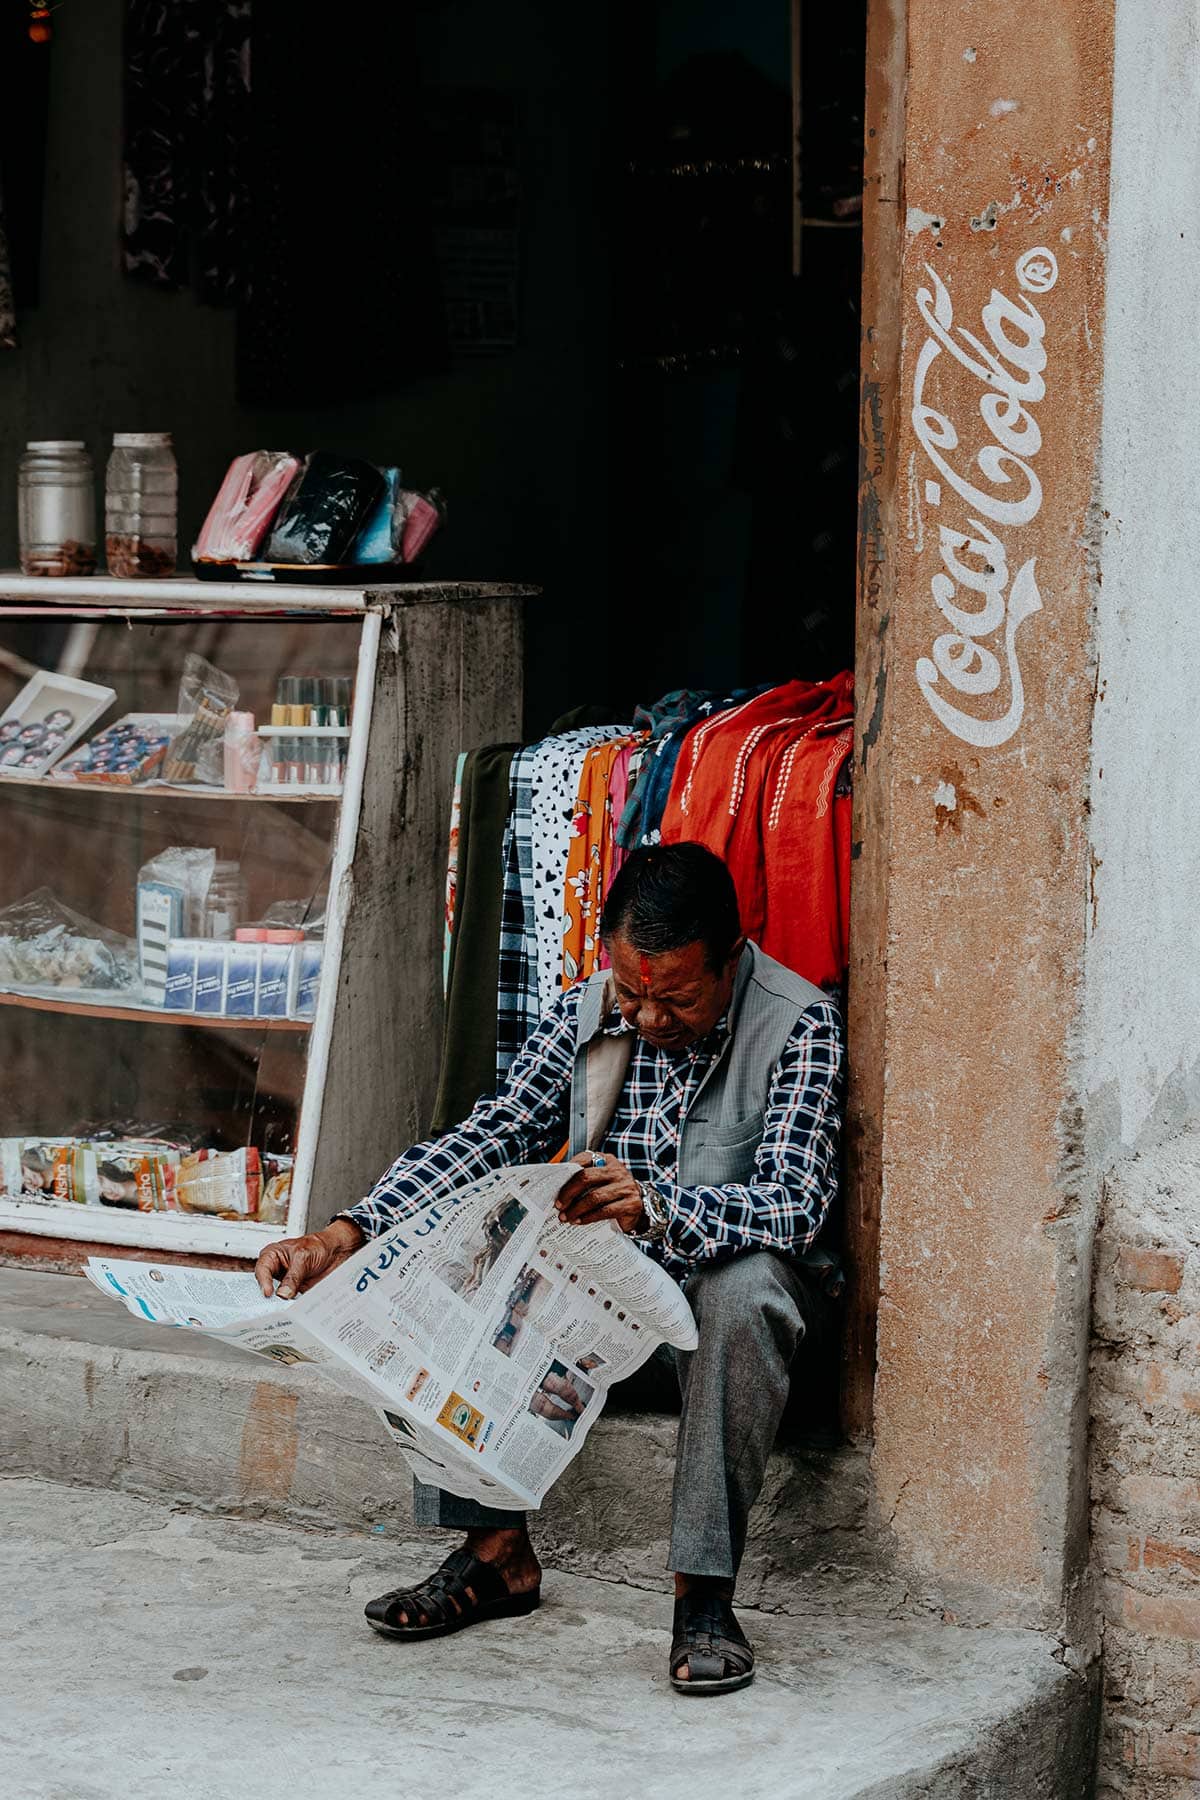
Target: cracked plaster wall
{"x":1141,"y":1057}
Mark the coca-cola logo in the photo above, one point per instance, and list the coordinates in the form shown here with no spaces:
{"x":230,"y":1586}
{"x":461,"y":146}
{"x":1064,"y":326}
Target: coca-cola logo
{"x":1001,"y":492}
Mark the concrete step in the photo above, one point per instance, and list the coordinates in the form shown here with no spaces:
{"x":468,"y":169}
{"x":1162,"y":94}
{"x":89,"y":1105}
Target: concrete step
{"x":151,"y":1651}
{"x":90,"y":1395}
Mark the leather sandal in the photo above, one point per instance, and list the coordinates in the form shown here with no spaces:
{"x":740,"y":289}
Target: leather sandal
{"x":708,"y":1638}
{"x":464,"y":1591}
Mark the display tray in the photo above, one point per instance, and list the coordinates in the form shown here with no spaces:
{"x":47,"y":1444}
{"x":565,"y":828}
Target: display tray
{"x":358,"y":575}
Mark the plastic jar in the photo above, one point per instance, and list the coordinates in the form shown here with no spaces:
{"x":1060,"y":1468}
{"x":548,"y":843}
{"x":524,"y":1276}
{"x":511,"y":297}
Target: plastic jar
{"x":225,"y":902}
{"x":140,"y":505}
{"x":56,"y":508}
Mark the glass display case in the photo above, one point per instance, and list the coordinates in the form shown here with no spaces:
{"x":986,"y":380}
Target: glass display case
{"x":220,"y":907}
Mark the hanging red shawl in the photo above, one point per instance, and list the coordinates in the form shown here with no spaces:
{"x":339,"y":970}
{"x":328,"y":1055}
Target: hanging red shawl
{"x":758,"y":785}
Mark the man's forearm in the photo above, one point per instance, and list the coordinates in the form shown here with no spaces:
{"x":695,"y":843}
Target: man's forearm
{"x":344,"y":1234}
{"x":707,"y":1222}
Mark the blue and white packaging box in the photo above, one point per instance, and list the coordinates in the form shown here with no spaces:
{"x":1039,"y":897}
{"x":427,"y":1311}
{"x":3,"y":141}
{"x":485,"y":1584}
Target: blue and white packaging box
{"x":212,"y":961}
{"x":241,"y":981}
{"x":276,"y":980}
{"x":309,"y":957}
{"x":179,"y":993}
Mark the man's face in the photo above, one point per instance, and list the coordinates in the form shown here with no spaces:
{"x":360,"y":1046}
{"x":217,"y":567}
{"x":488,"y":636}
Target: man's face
{"x":673,"y":999}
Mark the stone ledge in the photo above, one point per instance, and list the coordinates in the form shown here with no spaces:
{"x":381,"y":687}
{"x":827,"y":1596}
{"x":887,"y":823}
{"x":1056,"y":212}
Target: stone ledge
{"x":215,"y":1655}
{"x":89,"y":1395}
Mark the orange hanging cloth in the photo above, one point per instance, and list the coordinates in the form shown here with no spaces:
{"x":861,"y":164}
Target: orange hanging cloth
{"x":806,"y":855}
{"x":750,"y":785}
{"x":591,"y":859}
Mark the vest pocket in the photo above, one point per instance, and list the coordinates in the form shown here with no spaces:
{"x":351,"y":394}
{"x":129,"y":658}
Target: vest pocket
{"x":736,"y":1132}
{"x":718,"y":1160}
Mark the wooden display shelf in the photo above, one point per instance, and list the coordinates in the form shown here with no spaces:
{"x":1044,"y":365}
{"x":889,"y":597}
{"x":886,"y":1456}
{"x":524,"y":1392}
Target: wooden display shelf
{"x":150,"y":1014}
{"x":149,"y":790}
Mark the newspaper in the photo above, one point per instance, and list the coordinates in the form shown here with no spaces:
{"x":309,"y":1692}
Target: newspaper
{"x":484,"y":1332}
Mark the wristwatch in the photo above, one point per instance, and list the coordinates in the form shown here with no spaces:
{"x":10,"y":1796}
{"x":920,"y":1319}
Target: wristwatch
{"x":655,"y":1209}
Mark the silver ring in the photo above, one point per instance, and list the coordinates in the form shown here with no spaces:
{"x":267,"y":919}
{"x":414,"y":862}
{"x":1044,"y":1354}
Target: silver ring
{"x":598,"y":1161}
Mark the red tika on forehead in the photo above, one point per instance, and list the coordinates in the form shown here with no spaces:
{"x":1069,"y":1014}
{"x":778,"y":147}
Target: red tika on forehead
{"x":644,"y":970}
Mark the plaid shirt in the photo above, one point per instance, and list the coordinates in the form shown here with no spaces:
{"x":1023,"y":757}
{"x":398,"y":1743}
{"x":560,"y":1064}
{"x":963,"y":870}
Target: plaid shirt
{"x":781,"y":1208}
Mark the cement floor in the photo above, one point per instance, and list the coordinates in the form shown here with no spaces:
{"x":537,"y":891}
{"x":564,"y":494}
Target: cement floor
{"x":151,"y":1652}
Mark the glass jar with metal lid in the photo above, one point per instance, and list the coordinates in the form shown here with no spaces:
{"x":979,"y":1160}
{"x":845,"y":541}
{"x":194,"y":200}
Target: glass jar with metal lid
{"x":140,"y":505}
{"x":56,"y":508}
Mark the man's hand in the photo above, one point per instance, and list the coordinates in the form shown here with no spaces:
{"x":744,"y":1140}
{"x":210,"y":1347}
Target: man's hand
{"x":296,"y":1263}
{"x":601,"y":1190}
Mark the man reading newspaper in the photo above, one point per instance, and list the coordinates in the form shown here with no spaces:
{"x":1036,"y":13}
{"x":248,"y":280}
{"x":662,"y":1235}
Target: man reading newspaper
{"x":697,"y":1084}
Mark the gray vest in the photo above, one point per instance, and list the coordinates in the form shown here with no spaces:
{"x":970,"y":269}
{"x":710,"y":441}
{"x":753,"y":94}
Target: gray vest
{"x":724,"y":1126}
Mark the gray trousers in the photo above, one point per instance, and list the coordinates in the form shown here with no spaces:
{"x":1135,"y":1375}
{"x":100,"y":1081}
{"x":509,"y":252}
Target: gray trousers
{"x":752,"y":1315}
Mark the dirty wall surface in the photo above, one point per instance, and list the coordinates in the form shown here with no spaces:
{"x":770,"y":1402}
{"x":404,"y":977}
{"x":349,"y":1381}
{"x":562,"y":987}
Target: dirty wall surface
{"x":984,"y":606}
{"x":1143,"y":971}
{"x":1143,"y":974}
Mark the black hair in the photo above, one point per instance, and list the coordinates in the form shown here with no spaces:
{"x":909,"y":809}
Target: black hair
{"x":669,"y":895}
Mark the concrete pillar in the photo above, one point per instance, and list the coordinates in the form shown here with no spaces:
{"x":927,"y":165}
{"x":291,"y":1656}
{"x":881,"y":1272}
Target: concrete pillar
{"x":986,"y":213}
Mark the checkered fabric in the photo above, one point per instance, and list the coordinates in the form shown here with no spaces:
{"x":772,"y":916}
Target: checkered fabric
{"x":517,"y":1000}
{"x":796,"y":1166}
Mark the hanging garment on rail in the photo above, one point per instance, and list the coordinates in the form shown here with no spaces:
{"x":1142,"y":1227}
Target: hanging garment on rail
{"x":625,"y":776}
{"x":745,"y":787}
{"x":557,"y":765}
{"x":452,"y":872}
{"x":516,"y":1000}
{"x":519,"y":1007}
{"x":806,"y":872}
{"x":762,"y":778}
{"x":468,"y":1067}
{"x":668,"y":721}
{"x":590,"y":857}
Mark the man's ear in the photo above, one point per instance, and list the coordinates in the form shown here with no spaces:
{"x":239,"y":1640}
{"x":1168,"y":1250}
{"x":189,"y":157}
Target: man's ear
{"x":737,"y":950}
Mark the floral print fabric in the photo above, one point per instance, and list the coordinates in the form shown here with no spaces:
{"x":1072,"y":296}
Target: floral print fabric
{"x":590,"y":859}
{"x":554,"y":781}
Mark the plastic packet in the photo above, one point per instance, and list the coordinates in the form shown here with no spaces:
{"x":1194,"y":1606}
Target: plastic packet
{"x":58,"y":1169}
{"x":246,"y":504}
{"x":123,"y":754}
{"x":374,"y":542}
{"x":225,"y":1182}
{"x":206,"y":699}
{"x":277,"y":1191}
{"x":325,"y":510}
{"x":295,"y":915}
{"x":415,"y":518}
{"x":45,"y":944}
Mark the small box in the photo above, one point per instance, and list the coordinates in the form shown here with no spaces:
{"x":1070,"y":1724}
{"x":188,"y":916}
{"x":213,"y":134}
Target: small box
{"x":212,"y":961}
{"x":159,"y":919}
{"x":309,"y":957}
{"x":241,"y":981}
{"x":180,"y":987}
{"x":276,"y":981}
